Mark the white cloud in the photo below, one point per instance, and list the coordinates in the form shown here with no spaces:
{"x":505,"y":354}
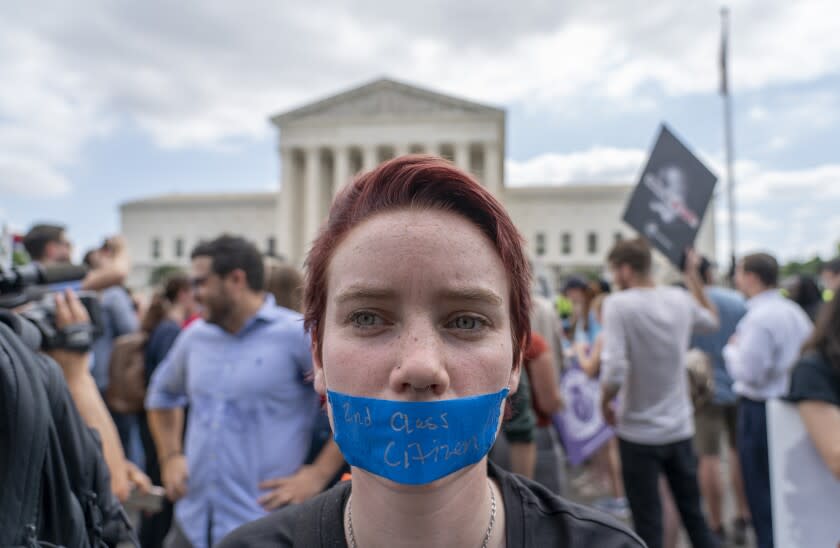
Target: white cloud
{"x":751,"y":220}
{"x":757,"y":113}
{"x":596,"y":165}
{"x":30,"y":178}
{"x":215,"y":70}
{"x":46,"y":116}
{"x":755,"y":184}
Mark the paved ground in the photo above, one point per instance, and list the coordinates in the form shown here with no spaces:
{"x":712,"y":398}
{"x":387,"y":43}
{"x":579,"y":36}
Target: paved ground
{"x":728,"y":510}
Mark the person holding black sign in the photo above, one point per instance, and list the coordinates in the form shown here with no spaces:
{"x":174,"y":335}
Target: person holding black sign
{"x":646,"y":336}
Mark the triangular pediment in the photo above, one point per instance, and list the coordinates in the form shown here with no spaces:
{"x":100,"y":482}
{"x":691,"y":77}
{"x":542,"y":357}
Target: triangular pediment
{"x":385,"y":98}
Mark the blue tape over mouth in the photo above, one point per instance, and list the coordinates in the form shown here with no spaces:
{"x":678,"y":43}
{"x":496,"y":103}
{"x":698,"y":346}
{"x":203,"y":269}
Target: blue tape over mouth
{"x":415,"y":443}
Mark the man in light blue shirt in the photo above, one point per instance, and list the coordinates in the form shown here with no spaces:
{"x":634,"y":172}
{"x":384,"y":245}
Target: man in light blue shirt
{"x":244,"y":370}
{"x":759,"y":358}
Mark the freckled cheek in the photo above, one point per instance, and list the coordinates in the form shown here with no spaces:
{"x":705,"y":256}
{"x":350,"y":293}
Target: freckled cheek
{"x":356,"y":368}
{"x":480,"y":370}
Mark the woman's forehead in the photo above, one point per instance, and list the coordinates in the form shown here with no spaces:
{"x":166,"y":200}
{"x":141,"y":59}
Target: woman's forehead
{"x":417,"y":248}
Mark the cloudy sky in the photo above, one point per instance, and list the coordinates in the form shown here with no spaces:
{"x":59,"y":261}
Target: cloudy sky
{"x":102,"y":102}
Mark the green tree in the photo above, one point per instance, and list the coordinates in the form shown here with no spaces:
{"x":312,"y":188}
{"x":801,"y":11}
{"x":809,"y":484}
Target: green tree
{"x":808,"y":268}
{"x":161,"y":272}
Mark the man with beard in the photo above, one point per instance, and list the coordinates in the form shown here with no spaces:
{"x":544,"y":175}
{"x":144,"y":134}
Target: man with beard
{"x":244,"y":370}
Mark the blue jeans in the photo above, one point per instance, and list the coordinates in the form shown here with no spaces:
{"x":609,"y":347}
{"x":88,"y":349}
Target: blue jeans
{"x":640,"y":467}
{"x":755,"y":467}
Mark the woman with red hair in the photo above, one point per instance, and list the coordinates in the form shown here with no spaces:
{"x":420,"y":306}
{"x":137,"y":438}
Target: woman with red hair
{"x":417,"y":301}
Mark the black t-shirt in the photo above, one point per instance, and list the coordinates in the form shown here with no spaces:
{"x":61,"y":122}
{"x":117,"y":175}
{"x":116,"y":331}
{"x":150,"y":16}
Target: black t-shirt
{"x":534,"y":518}
{"x":815,"y":379}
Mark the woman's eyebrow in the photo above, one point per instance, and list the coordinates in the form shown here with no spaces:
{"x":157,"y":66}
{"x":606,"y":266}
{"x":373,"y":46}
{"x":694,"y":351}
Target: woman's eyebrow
{"x":468,"y":294}
{"x":359,"y":292}
{"x":474,"y":294}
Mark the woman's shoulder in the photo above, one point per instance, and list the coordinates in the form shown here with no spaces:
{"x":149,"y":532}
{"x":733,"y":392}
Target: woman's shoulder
{"x":284,"y":527}
{"x":165,"y":328}
{"x":814,"y":378}
{"x":546,"y":519}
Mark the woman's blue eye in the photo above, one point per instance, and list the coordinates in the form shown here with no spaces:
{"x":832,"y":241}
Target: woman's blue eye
{"x":364,"y":319}
{"x":467,"y":323}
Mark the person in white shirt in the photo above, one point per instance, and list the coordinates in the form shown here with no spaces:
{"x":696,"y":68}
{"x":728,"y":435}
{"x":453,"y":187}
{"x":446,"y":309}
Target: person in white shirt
{"x":646,"y":334}
{"x":759,"y":358}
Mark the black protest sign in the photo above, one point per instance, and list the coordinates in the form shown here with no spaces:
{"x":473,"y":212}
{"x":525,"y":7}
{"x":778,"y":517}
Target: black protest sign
{"x":668,"y":204}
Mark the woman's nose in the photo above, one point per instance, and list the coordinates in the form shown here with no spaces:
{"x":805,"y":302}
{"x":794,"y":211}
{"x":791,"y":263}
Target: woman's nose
{"x":420,"y":371}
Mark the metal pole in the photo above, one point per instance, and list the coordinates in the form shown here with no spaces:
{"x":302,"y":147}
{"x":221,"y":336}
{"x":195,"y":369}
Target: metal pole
{"x":727,"y":123}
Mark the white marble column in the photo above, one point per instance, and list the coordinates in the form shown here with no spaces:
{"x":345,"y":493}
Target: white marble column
{"x":400,"y":149}
{"x":370,"y":158}
{"x":342,"y":168}
{"x":312,"y":206}
{"x":462,"y":156}
{"x":492,"y":168}
{"x":288,"y":204}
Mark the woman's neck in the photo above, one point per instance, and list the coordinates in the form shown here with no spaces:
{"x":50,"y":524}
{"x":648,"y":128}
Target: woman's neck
{"x":177,"y":314}
{"x":455,"y":513}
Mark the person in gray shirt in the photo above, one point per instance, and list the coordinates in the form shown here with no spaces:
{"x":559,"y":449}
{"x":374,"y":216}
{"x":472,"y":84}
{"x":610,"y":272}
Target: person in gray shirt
{"x":646,"y":333}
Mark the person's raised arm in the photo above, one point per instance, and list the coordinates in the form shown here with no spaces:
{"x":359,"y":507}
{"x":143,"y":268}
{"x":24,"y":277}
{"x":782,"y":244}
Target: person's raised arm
{"x":114,"y":271}
{"x":691,"y":277}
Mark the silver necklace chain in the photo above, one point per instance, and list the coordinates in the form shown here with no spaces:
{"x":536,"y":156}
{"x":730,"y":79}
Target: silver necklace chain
{"x":486,"y":535}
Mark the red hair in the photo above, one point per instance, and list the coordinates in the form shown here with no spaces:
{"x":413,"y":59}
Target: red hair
{"x":428,"y":182}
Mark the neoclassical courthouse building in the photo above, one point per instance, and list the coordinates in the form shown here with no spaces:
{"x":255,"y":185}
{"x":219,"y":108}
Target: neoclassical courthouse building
{"x":569,"y":227}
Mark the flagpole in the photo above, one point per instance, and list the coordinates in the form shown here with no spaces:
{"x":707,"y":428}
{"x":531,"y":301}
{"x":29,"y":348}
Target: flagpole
{"x":727,"y":123}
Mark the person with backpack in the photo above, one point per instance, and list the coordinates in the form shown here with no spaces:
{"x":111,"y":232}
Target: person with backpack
{"x":56,"y":483}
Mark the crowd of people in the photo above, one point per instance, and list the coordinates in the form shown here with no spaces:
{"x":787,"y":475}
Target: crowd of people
{"x":415,"y":336}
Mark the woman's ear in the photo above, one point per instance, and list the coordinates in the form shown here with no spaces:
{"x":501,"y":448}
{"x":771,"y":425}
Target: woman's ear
{"x":516,"y":370}
{"x":318,"y":379}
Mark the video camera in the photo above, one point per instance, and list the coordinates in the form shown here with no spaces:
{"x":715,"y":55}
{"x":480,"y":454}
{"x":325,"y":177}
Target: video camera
{"x":32,"y":286}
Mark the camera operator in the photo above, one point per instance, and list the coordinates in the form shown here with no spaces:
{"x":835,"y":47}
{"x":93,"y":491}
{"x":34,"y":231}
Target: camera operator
{"x":124,"y":474}
{"x":48,"y":244}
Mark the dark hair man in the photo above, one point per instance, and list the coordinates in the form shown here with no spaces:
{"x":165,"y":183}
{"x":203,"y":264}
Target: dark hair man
{"x":646,"y":333}
{"x":245,"y":372}
{"x":759,"y":358}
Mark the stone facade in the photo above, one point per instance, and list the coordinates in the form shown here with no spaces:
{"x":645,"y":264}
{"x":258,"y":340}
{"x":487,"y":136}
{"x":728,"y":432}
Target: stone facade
{"x":163,"y":230}
{"x":324,"y":144}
